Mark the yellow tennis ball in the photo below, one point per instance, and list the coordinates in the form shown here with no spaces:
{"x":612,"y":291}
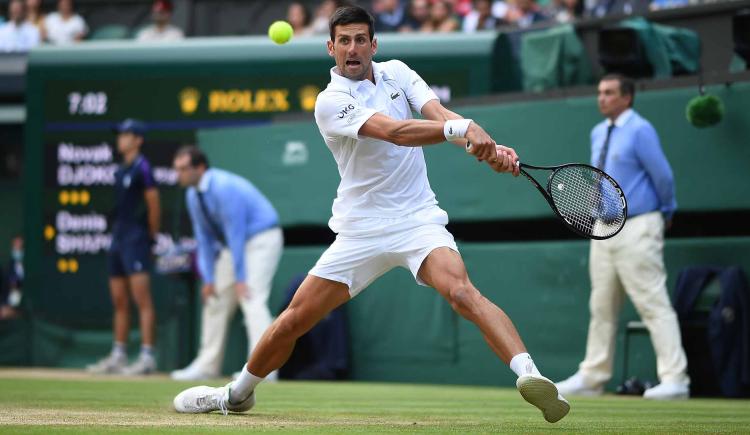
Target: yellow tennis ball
{"x":280,"y":32}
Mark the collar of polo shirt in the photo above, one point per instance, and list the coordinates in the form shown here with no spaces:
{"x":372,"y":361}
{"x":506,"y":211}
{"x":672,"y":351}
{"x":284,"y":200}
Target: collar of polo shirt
{"x":360,"y":86}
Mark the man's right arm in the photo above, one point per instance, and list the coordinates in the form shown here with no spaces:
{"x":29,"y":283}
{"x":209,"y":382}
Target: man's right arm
{"x":340,"y":114}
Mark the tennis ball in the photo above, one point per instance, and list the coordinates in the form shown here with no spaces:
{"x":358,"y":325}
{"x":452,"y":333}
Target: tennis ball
{"x":280,"y":32}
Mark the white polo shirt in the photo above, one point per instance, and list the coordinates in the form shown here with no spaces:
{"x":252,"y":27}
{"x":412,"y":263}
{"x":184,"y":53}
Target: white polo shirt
{"x":378,"y":179}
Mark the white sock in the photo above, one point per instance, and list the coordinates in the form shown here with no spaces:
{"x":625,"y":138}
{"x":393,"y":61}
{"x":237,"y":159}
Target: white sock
{"x":119,"y":349}
{"x":147,"y":351}
{"x":522,"y":364}
{"x":243,"y":386}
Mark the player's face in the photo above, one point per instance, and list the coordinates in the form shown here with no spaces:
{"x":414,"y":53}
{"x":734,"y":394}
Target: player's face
{"x":353,"y":50}
{"x":611,"y":101}
{"x":128,"y":142}
{"x":187,"y":175}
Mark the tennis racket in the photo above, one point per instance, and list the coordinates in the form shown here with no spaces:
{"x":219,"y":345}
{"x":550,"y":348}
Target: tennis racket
{"x":588,"y":201}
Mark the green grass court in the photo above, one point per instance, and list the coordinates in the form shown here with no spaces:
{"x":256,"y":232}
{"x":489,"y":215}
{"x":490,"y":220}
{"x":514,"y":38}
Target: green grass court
{"x":45,"y":401}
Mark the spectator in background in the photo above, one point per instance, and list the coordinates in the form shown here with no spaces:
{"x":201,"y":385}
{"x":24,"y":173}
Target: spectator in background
{"x":462,"y":7}
{"x":65,"y":26}
{"x":299,"y":17}
{"x":390,"y":15}
{"x":480,"y":17}
{"x":239,"y":248}
{"x":323,"y":13}
{"x":668,"y":4}
{"x":35,"y":16}
{"x":162,"y":29}
{"x":564,"y":11}
{"x":419,"y":14}
{"x":524,"y":13}
{"x":17,"y":35}
{"x":603,"y":8}
{"x":441,"y":18}
{"x":10,"y":294}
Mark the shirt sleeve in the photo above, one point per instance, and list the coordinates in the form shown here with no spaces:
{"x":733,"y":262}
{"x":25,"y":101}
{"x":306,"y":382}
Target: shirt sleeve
{"x":83,"y":28}
{"x":147,"y":174}
{"x":206,"y":255}
{"x":234,"y":215}
{"x":657,"y":167}
{"x":339,"y":114}
{"x":418,"y":93}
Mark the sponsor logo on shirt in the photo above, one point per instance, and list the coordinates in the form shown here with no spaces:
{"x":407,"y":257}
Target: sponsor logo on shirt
{"x":394,"y":96}
{"x":345,"y":111}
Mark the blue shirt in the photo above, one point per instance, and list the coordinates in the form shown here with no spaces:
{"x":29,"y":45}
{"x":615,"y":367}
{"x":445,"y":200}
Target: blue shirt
{"x":131,"y":214}
{"x":636,"y":161}
{"x":239,"y":211}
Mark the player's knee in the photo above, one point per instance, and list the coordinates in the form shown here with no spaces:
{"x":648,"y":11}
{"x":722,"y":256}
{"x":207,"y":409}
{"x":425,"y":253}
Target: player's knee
{"x":463,"y":297}
{"x":288,"y":326}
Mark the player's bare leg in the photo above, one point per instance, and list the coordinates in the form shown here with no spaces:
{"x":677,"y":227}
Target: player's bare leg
{"x":444,"y":270}
{"x":140,"y":287}
{"x":117,"y":359}
{"x":315,"y":298}
{"x":118,"y":289}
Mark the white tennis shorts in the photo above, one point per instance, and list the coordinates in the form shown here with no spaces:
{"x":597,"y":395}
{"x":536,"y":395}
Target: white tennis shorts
{"x":371,"y":247}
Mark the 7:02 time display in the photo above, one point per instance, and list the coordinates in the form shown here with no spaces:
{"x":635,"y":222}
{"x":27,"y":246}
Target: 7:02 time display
{"x":89,"y":103}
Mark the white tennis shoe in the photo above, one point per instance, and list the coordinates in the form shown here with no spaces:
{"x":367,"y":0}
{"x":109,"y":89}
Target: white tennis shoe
{"x":109,"y":365}
{"x":198,"y":400}
{"x":576,"y":385}
{"x":668,"y":391}
{"x":542,"y":393}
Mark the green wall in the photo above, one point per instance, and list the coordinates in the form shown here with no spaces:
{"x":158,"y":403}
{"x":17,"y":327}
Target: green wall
{"x":704,"y":161}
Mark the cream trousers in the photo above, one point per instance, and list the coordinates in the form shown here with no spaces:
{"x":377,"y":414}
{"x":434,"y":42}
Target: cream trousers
{"x":262,"y":254}
{"x":632,"y":261}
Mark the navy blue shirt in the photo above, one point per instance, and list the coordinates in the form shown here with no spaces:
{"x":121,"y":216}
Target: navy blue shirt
{"x":130,"y":217}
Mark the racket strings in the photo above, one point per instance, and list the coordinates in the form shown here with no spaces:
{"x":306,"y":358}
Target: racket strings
{"x":587,"y":201}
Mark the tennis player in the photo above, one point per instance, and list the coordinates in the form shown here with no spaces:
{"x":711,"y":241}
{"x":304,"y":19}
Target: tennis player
{"x":385,"y":215}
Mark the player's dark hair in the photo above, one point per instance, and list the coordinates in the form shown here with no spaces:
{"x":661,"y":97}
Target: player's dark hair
{"x":627,"y":85}
{"x":351,"y":15}
{"x":197,"y":156}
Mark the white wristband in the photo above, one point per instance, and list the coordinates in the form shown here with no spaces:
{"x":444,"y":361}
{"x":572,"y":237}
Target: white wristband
{"x":456,"y":128}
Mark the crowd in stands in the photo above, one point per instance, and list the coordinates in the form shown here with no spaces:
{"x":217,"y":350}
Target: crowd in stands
{"x":436,"y":16}
{"x":26,"y":25}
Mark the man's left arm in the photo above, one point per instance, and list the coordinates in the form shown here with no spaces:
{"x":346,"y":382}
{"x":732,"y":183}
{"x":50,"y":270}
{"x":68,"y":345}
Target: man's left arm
{"x":435,"y":111}
{"x":151,"y":195}
{"x":650,"y":154}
